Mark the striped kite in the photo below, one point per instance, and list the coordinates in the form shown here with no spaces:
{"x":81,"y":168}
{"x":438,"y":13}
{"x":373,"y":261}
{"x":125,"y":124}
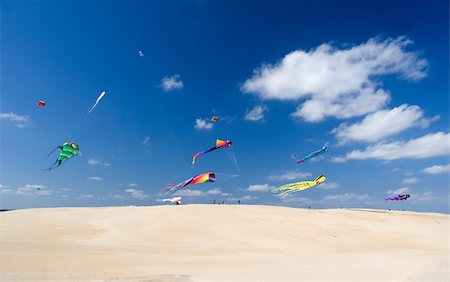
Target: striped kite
{"x":285,"y":190}
{"x":201,"y":178}
{"x":219,"y":144}
{"x":312,"y":155}
{"x":68,"y":150}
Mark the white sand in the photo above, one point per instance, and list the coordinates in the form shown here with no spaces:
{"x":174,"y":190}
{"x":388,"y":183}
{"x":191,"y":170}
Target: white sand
{"x":222,"y":242}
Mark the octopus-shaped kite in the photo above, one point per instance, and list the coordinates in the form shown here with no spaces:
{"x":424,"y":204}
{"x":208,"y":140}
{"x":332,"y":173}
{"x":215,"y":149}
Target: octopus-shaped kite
{"x":285,"y":190}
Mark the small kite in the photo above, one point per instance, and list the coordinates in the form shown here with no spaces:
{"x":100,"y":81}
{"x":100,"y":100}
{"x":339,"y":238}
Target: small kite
{"x":215,"y":118}
{"x":398,"y":198}
{"x":201,"y":178}
{"x":41,"y":103}
{"x":174,"y":200}
{"x":219,"y":144}
{"x":285,"y":190}
{"x":97,"y":100}
{"x":141,"y":54}
{"x":68,"y":150}
{"x":312,"y":155}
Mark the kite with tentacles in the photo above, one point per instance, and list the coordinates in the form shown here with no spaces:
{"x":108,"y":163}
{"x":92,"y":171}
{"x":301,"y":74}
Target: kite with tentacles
{"x":311,"y":155}
{"x":174,"y":200}
{"x":201,"y":178}
{"x":68,"y":150}
{"x":398,"y":198}
{"x":285,"y":190}
{"x":219,"y":144}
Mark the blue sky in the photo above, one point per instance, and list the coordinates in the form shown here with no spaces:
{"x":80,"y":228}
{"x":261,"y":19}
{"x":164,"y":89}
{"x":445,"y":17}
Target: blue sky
{"x":285,"y":78}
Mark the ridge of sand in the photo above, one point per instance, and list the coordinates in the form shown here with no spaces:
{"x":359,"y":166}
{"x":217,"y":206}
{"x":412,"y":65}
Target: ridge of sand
{"x":222,"y":243}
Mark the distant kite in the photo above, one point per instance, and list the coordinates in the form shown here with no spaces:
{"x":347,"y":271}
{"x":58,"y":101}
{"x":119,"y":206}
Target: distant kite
{"x":312,"y":155}
{"x":201,"y":178}
{"x":285,"y":190}
{"x":174,"y":200}
{"x":97,"y":100}
{"x":141,"y":54}
{"x":219,"y":144}
{"x":41,"y":103}
{"x":397,"y":198}
{"x":68,"y":150}
{"x":214,"y":119}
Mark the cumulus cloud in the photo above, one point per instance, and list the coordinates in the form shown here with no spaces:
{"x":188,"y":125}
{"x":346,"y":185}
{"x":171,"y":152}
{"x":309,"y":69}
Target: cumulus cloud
{"x":337,"y":82}
{"x":329,"y":185}
{"x":430,"y":145}
{"x":410,"y":180}
{"x":436,"y":169}
{"x":347,"y":197}
{"x":18,"y":120}
{"x":172,"y":83}
{"x":288,"y":176}
{"x":95,"y":178}
{"x":203,"y":124}
{"x":259,"y":188}
{"x":381,"y":124}
{"x":256,"y":114}
{"x":399,"y":191}
{"x":136,"y":194}
{"x":96,"y":162}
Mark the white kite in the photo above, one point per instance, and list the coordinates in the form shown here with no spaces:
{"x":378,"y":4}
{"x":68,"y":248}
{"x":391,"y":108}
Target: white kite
{"x":141,"y":54}
{"x":98,"y":100}
{"x":174,"y":200}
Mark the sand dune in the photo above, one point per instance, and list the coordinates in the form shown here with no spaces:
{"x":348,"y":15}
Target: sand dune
{"x":222,"y":243}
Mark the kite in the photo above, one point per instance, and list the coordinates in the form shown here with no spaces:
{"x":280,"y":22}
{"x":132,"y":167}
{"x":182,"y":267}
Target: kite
{"x":285,"y":190}
{"x":68,"y":150}
{"x":398,"y":198}
{"x":41,"y":103}
{"x":214,"y":119}
{"x":312,"y":155}
{"x":96,"y":101}
{"x":141,"y":54}
{"x":219,"y":144}
{"x":201,"y":178}
{"x":174,"y":200}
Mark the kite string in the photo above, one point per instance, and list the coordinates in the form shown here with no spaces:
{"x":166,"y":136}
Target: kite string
{"x":60,"y":127}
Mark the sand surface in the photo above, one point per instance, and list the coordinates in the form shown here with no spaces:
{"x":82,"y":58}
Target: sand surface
{"x":222,"y":243}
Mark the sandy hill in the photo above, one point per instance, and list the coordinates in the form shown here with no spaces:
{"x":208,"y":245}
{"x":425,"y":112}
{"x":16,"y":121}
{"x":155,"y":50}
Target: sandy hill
{"x":222,"y":243}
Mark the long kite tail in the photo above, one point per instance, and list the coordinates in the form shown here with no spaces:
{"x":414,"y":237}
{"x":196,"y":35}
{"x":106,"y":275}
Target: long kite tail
{"x":59,"y":147}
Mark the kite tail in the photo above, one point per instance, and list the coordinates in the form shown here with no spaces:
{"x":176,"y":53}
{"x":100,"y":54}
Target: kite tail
{"x":59,"y":147}
{"x":169,"y":189}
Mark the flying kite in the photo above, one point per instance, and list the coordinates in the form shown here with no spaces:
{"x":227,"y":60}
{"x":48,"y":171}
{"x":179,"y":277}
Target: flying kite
{"x":97,"y":100}
{"x":215,"y":118}
{"x":174,"y":200}
{"x":219,"y":144}
{"x":285,"y":190}
{"x":141,"y":54}
{"x":41,"y":103}
{"x":201,"y":178}
{"x":68,"y":150}
{"x":312,"y":155}
{"x":398,"y":198}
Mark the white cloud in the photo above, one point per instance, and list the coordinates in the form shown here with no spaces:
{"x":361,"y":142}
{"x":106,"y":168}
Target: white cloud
{"x":200,"y":193}
{"x":136,"y":194}
{"x":338,"y":159}
{"x":329,"y":185}
{"x":116,"y":196}
{"x":259,"y":188}
{"x":381,"y":124}
{"x":96,"y":162}
{"x":256,"y":114}
{"x":132,"y":185}
{"x":297,"y":200}
{"x":289,"y":176}
{"x":146,"y":140}
{"x":347,"y":197}
{"x":86,"y":196}
{"x":27,"y":190}
{"x":243,"y":198}
{"x":399,"y":191}
{"x":410,"y":180}
{"x":18,"y":120}
{"x":436,"y":169}
{"x":172,"y":83}
{"x":95,"y":178}
{"x":203,"y":124}
{"x":430,"y":145}
{"x":337,"y":82}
